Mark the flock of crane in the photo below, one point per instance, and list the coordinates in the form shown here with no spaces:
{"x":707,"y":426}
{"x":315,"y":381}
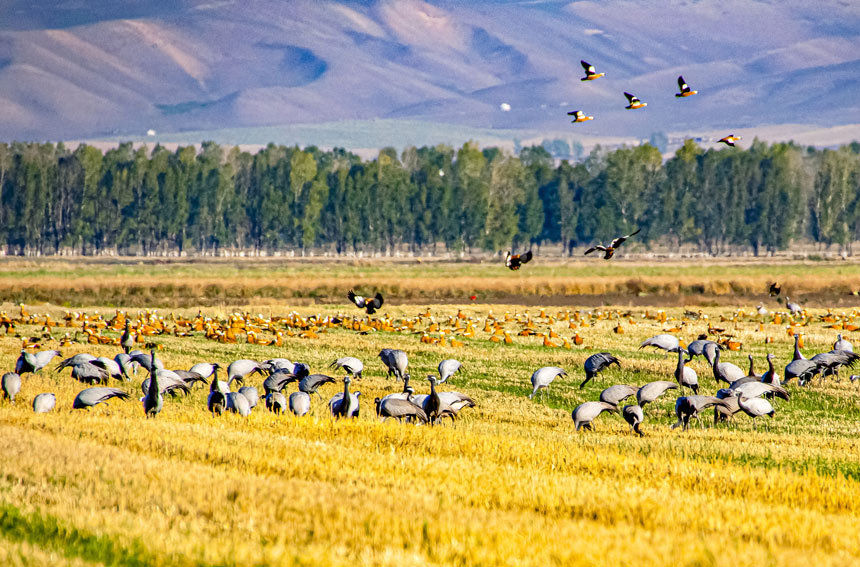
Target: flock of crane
{"x":278,"y":372}
{"x":743,"y":391}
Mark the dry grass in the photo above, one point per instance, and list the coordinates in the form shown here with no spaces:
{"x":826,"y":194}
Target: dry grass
{"x":187,"y":283}
{"x":510,"y":483}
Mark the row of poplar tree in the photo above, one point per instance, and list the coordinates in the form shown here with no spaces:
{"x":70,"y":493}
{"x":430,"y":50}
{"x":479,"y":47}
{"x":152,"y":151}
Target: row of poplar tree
{"x":213,"y":199}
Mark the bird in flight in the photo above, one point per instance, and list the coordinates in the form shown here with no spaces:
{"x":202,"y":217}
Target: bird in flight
{"x":579,"y":116}
{"x":729,"y":140}
{"x":370,"y":304}
{"x":590,"y":73}
{"x":514,"y":261}
{"x":608,"y":251}
{"x":685,"y":88}
{"x":634,"y":102}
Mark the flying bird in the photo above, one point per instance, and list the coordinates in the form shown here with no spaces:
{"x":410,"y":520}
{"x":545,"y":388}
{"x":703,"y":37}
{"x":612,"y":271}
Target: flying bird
{"x":514,"y":261}
{"x":634,"y":102}
{"x":774,"y":289}
{"x":685,"y":88}
{"x":590,"y":73}
{"x":608,"y":251}
{"x":579,"y":116}
{"x":367,"y":303}
{"x":729,"y":140}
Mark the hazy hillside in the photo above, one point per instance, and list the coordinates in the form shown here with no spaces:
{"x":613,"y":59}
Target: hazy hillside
{"x":80,"y":69}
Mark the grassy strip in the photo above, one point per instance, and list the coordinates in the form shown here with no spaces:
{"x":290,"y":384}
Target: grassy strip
{"x":47,"y":531}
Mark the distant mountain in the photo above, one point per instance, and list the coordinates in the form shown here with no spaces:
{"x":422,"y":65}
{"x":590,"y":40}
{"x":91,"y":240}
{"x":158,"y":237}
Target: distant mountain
{"x":79,"y":69}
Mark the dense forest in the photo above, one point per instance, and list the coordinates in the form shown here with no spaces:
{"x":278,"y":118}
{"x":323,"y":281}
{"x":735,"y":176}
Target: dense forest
{"x":214,"y":200}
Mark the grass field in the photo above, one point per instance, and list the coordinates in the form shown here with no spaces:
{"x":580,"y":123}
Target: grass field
{"x":290,"y":281}
{"x":510,"y":483}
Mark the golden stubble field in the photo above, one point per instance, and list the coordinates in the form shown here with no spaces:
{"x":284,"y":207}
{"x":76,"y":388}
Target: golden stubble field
{"x":510,"y":483}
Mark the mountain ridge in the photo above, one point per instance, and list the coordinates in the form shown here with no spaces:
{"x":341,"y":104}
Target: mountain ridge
{"x":85,"y":70}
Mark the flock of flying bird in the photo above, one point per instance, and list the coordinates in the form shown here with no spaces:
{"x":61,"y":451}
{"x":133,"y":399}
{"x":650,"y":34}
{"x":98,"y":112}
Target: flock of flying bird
{"x":633,"y":102}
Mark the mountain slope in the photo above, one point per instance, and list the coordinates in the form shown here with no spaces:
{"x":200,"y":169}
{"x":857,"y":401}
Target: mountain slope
{"x":88,"y":69}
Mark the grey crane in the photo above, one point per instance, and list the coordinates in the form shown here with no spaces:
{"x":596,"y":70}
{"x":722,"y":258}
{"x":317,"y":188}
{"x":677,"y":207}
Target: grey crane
{"x":596,"y":363}
{"x":385,"y":357}
{"x":126,"y":341}
{"x":346,"y":403}
{"x":730,"y":407}
{"x":110,"y":366}
{"x":168,"y":381}
{"x":399,"y":362}
{"x":448,"y":368}
{"x":793,"y":308}
{"x":205,"y":369}
{"x":146,"y":361}
{"x":400,"y":409}
{"x":653,"y":390}
{"x":586,"y":412}
{"x":770,"y":377}
{"x":756,"y":389}
{"x":277,"y":381}
{"x":687,"y":407}
{"x":664,"y":341}
{"x":618,"y":393}
{"x":832,"y":361}
{"x":126,"y":364}
{"x":407,"y":393}
{"x":237,"y":403}
{"x":217,"y":400}
{"x":300,"y":403}
{"x":276,"y":402}
{"x":310,"y":384}
{"x":34,"y":362}
{"x":755,"y":407}
{"x":543,"y":377}
{"x":90,"y":373}
{"x":240,"y":369}
{"x":276,"y":364}
{"x":251,"y":394}
{"x":153,"y":401}
{"x":350,"y":364}
{"x":840,"y":344}
{"x":703,"y":347}
{"x":190,"y":378}
{"x":634,"y":416}
{"x":435,"y":406}
{"x":751,"y":372}
{"x":685,"y":375}
{"x":74,"y":360}
{"x":97,"y":395}
{"x":43,"y":403}
{"x":800,"y":367}
{"x":726,"y":371}
{"x":11,"y":384}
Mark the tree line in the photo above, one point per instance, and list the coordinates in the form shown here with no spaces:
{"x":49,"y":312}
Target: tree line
{"x":144,"y":201}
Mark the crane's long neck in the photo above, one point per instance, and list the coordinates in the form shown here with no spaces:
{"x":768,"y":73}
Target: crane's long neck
{"x":717,"y":358}
{"x":752,"y":367}
{"x":770,"y":365}
{"x":214,"y":385}
{"x":680,"y":367}
{"x":797,"y":353}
